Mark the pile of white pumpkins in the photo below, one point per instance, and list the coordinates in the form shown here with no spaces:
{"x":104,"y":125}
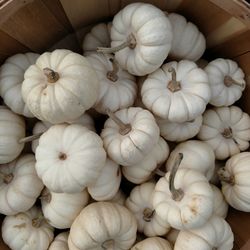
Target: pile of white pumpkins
{"x":72,"y":180}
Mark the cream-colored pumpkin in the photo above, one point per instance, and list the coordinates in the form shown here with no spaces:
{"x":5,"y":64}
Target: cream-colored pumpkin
{"x":40,"y":127}
{"x":103,"y":225}
{"x":99,"y":36}
{"x":140,"y":204}
{"x":174,"y":131}
{"x":19,"y":185}
{"x":153,"y":243}
{"x":60,"y":242}
{"x":143,"y":170}
{"x":226,"y":130}
{"x":108,"y":182}
{"x":117,"y":87}
{"x":27,"y":230}
{"x":141,"y":38}
{"x":184,"y":198}
{"x":172,"y":235}
{"x":11,"y":78}
{"x":215,"y":234}
{"x":220,"y":204}
{"x":235,"y":181}
{"x":178,"y":91}
{"x":198,"y":156}
{"x":12,"y":129}
{"x":188,"y":42}
{"x":119,"y":198}
{"x":61,"y":209}
{"x":129,"y":135}
{"x":226,"y":81}
{"x":60,"y":87}
{"x":69,"y":158}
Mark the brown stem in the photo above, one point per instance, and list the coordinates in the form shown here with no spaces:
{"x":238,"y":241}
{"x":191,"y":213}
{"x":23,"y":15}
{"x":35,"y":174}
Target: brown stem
{"x":52,"y":76}
{"x":227,"y":133}
{"x":112,"y":75}
{"x":30,"y":138}
{"x":173,"y":85}
{"x":45,"y":195}
{"x":177,"y":194}
{"x":148,"y":214}
{"x":131,"y":43}
{"x":7,"y":178}
{"x":36,"y":222}
{"x":229,"y":81}
{"x":124,"y":128}
{"x":225,"y":176}
{"x":108,"y":245}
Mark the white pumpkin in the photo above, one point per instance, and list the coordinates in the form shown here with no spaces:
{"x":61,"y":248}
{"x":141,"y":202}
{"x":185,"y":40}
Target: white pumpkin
{"x":19,"y":185}
{"x":69,"y":158}
{"x":153,"y":243}
{"x":60,"y":242}
{"x":178,"y":92}
{"x":215,"y":234}
{"x":11,"y":78}
{"x":235,"y":181}
{"x":172,"y":235}
{"x":27,"y":230}
{"x":129,"y":135}
{"x":183,"y":198}
{"x":188,"y":42}
{"x":40,"y":127}
{"x":141,"y":38}
{"x":12,"y":129}
{"x":119,"y":198}
{"x":103,"y":225}
{"x":117,"y":87}
{"x":220,"y":204}
{"x":226,"y":130}
{"x":60,"y":209}
{"x":226,"y":81}
{"x":174,"y":131}
{"x":60,"y":87}
{"x":140,"y":204}
{"x":143,"y":170}
{"x":108,"y":182}
{"x":99,"y":36}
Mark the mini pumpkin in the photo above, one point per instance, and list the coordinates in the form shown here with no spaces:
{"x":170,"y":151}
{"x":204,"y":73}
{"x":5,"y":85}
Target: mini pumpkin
{"x":178,"y":91}
{"x":226,"y":130}
{"x":117,"y":87}
{"x":12,"y":128}
{"x":155,"y":243}
{"x":11,"y":78}
{"x":103,"y":225}
{"x":108,"y":182}
{"x":226,"y":81}
{"x":183,"y":198}
{"x":198,"y":156}
{"x":60,"y":87}
{"x":140,"y":204}
{"x":129,"y":135}
{"x":19,"y":185}
{"x":143,"y":170}
{"x":235,"y":181}
{"x":215,"y":234}
{"x":60,"y":242}
{"x":141,"y":38}
{"x":27,"y":230}
{"x":69,"y":158}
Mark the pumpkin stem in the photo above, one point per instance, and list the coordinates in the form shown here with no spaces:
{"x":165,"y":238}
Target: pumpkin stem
{"x":173,"y":85}
{"x":45,"y":195}
{"x":52,"y":76}
{"x":112,"y":75}
{"x":124,"y":128}
{"x":229,"y":81}
{"x":148,"y":214}
{"x":227,"y":133}
{"x":108,"y":245}
{"x":131,"y":43}
{"x":30,"y":138}
{"x":225,"y":176}
{"x":36,"y":222}
{"x":7,"y":178}
{"x":177,"y":194}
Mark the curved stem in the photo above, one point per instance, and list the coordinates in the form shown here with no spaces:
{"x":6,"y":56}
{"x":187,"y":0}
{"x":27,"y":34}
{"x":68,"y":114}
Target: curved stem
{"x":124,"y":128}
{"x":225,"y":176}
{"x":173,"y":85}
{"x":30,"y":138}
{"x":7,"y":178}
{"x":112,"y":75}
{"x":177,"y":194}
{"x":148,"y":214}
{"x":229,"y":81}
{"x":227,"y":133}
{"x":52,"y":76}
{"x":108,"y":245}
{"x":36,"y":222}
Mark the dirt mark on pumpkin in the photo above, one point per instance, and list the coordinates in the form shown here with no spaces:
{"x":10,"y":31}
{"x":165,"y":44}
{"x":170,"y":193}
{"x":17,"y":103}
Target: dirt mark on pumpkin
{"x":23,"y":225}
